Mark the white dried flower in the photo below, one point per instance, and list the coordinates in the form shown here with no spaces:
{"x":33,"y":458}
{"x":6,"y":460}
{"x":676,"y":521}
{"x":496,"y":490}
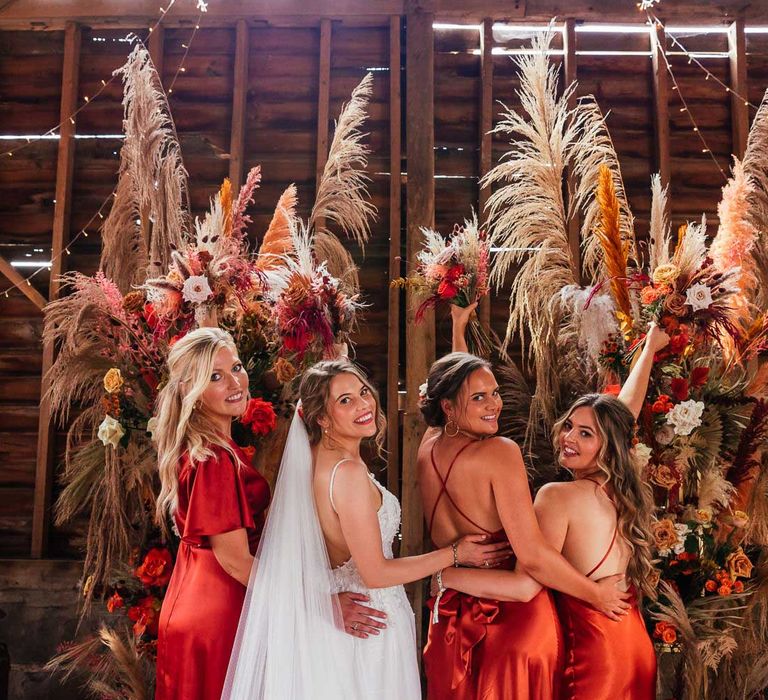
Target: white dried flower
{"x":110,"y":431}
{"x":196,"y":289}
{"x":642,"y":455}
{"x":698,"y":296}
{"x":152,"y":426}
{"x":685,"y":416}
{"x":423,"y":391}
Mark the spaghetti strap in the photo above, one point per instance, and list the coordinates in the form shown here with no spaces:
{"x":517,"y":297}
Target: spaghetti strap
{"x":333,"y":477}
{"x":444,"y":490}
{"x":613,"y":539}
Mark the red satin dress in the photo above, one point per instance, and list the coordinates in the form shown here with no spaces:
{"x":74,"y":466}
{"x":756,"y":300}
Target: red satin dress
{"x":605,"y":660}
{"x":201,"y":609}
{"x":482,"y":649}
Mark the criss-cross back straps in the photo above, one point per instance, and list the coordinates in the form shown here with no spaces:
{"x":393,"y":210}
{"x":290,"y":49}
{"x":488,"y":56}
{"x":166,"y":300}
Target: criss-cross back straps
{"x":613,"y":539}
{"x":444,"y":490}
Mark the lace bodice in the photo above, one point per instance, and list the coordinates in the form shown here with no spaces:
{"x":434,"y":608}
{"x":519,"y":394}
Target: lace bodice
{"x":347,"y":578}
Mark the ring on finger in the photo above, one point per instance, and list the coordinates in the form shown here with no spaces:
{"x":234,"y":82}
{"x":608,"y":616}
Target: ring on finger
{"x":485,"y":563}
{"x":354,"y":627}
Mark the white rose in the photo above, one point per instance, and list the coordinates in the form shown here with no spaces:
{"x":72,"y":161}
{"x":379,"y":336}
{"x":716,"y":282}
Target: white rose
{"x":423,"y":391}
{"x":698,"y":296}
{"x":196,"y":289}
{"x":685,"y":416}
{"x":110,"y":431}
{"x":642,"y":455}
{"x":665,"y":435}
{"x":152,"y":426}
{"x":682,"y":533}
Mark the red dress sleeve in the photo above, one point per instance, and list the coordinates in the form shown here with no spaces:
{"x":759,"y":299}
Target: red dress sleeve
{"x":217,"y":498}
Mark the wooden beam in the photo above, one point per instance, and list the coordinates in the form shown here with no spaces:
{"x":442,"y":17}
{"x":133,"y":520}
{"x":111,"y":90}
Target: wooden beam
{"x":21,"y":284}
{"x":61,"y":221}
{"x":395,"y":267}
{"x":660,"y":102}
{"x":239,"y":107}
{"x":157,"y":49}
{"x":737,"y":50}
{"x":570,"y":71}
{"x":323,"y":97}
{"x":420,"y":211}
{"x":486,"y":142}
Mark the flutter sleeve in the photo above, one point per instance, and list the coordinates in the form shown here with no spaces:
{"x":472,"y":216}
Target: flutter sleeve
{"x":217,"y":500}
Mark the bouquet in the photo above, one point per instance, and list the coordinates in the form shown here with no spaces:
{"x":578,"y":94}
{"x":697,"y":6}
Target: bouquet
{"x":454,"y":271}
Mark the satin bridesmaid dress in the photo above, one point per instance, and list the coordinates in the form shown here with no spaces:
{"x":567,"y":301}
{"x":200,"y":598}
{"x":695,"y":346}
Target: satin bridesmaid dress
{"x":605,"y":660}
{"x":201,"y":610}
{"x":483,"y":649}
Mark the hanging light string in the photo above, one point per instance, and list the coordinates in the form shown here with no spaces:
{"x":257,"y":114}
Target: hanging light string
{"x":202,"y":8}
{"x":652,"y":20}
{"x":83,"y":233}
{"x":709,"y":73}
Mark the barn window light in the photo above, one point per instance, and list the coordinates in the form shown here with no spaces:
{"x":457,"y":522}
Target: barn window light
{"x":31,"y":263}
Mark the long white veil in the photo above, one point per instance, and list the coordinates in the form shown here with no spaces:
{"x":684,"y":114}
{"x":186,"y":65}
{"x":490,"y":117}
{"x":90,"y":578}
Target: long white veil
{"x":290,"y":643}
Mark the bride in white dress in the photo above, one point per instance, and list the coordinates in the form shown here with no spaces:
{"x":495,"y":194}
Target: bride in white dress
{"x":330,"y":529}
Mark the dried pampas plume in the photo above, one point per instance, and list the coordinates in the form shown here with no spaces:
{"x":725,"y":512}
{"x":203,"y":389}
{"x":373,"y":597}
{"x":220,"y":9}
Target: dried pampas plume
{"x":277,"y":240}
{"x":658,"y":250}
{"x":342,"y":195}
{"x":152,"y":184}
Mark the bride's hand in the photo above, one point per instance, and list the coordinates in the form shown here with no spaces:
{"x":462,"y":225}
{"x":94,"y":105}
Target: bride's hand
{"x":610,"y":600}
{"x":475,"y":550}
{"x":460,"y":315}
{"x":360,"y":620}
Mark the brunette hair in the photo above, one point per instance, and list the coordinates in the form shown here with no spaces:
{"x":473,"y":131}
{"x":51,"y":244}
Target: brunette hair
{"x":445,"y":380}
{"x":630,"y":495}
{"x":315,"y":390}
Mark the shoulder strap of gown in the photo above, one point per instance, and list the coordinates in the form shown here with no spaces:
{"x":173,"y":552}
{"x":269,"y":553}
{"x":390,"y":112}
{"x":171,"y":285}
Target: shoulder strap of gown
{"x":444,"y":490}
{"x":333,"y":478}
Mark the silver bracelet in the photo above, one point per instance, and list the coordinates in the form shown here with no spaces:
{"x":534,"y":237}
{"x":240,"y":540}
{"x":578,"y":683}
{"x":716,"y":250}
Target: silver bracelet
{"x":440,"y":591}
{"x":455,"y":548}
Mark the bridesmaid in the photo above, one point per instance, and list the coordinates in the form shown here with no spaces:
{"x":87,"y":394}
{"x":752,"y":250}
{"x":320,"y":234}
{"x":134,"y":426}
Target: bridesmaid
{"x":482,"y":645}
{"x":218,"y":501}
{"x":601,"y":523}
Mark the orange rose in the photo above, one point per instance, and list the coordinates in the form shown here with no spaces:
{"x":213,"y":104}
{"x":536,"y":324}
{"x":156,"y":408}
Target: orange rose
{"x":649,"y":295}
{"x":724,"y":591}
{"x":663,"y":475}
{"x":710,"y":586}
{"x":156,"y":568}
{"x":659,"y":629}
{"x":669,"y":636}
{"x":662,"y":404}
{"x":145,"y":616}
{"x":738,"y":586}
{"x":664,"y":533}
{"x":114,"y":602}
{"x":739,"y":564}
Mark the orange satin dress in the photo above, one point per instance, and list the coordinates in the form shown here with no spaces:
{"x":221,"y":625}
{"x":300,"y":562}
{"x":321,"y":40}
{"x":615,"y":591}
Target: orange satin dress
{"x":483,"y":649}
{"x":605,"y":660}
{"x":201,"y":610}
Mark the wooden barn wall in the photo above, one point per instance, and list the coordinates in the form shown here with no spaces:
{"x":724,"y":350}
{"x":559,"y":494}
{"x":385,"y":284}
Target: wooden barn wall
{"x":282,"y":97}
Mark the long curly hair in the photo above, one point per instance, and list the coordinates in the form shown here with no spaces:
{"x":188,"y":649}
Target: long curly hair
{"x":181,"y":426}
{"x":315,"y":389}
{"x":630,"y":495}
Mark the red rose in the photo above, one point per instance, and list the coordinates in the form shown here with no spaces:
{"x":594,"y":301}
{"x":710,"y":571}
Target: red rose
{"x":156,"y":568}
{"x":738,"y":586}
{"x":662,"y":404}
{"x":145,"y":616}
{"x":150,"y":316}
{"x":260,"y":416}
{"x":678,"y":343}
{"x":447,"y":290}
{"x":455,"y":272}
{"x":612,"y":389}
{"x":114,"y":602}
{"x":679,"y":387}
{"x":699,"y":376}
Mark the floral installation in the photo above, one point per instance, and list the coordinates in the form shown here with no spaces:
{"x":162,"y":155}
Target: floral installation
{"x":160,"y":277}
{"x":704,"y":424}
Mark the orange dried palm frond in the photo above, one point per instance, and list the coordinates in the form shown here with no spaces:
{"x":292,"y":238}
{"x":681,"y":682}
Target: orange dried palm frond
{"x":225,"y":197}
{"x":277,"y":240}
{"x":608,"y":232}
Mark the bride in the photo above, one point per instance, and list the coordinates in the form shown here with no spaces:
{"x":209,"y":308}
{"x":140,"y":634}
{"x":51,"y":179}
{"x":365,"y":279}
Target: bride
{"x":330,"y":529}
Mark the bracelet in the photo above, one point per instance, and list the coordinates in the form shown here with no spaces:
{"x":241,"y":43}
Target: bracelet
{"x":455,"y":548}
{"x":440,"y":591}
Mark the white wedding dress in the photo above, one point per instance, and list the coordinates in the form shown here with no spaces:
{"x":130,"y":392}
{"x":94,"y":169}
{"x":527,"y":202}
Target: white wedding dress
{"x":290,"y":642}
{"x":385,"y":665}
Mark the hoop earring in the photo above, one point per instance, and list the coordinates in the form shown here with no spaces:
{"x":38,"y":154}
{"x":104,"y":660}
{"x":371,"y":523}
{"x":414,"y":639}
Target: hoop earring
{"x":455,"y":428}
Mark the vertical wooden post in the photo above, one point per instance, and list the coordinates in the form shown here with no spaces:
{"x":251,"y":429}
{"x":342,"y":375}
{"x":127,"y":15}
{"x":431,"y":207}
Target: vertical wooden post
{"x":157,"y":49}
{"x":569,"y":72}
{"x":737,"y":48}
{"x":239,"y":104}
{"x":323,"y":97}
{"x":393,"y":310}
{"x":420,"y":339}
{"x":61,"y":218}
{"x":486,"y":142}
{"x":661,"y":101}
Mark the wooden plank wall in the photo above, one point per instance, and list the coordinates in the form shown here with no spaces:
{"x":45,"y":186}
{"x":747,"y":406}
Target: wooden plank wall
{"x":278,"y":106}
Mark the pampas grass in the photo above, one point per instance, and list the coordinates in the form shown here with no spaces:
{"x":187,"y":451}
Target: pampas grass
{"x":658,"y":249}
{"x":277,"y":239}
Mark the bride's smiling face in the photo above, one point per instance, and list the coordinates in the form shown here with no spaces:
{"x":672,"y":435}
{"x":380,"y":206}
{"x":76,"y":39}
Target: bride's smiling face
{"x":351,"y":409}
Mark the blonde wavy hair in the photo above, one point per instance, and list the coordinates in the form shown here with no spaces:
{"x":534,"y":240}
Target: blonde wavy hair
{"x":181,"y":426}
{"x":630,"y":495}
{"x":315,"y":389}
